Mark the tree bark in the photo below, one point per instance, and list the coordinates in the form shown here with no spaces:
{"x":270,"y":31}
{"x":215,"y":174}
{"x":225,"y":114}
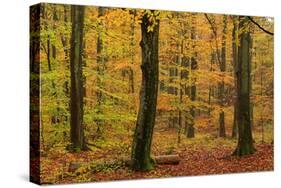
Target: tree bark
{"x":235,"y":63}
{"x":190,"y":133}
{"x":221,"y":84}
{"x":180,"y":63}
{"x":245,"y":144}
{"x":100,"y":71}
{"x":132,"y":44}
{"x":65,"y":43}
{"x":76,"y":96}
{"x":141,"y":158}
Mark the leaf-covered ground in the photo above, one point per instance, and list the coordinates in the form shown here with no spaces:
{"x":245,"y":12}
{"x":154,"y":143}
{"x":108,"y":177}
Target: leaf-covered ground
{"x":201,"y":156}
{"x":199,"y":162}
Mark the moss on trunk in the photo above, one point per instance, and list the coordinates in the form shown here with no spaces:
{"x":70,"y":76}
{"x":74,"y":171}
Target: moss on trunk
{"x":76,"y":97}
{"x":245,"y":144}
{"x":141,"y":157}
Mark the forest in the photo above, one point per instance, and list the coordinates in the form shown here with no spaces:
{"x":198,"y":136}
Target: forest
{"x":120,"y":93}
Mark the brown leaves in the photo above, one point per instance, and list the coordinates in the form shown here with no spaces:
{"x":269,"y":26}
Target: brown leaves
{"x":193,"y":161}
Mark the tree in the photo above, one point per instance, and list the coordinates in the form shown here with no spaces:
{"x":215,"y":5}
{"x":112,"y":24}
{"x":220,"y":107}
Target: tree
{"x":100,"y":70}
{"x":141,"y":158}
{"x":193,"y":66}
{"x":221,"y":84}
{"x":245,"y":141}
{"x":76,"y":96}
{"x":65,"y":43}
{"x":234,"y":60}
{"x":221,"y":59}
{"x":130,"y":70}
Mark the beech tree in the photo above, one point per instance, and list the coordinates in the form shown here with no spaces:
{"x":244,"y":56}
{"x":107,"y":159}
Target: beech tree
{"x":100,"y":70}
{"x":193,"y":66}
{"x":234,"y":62}
{"x":76,"y":95}
{"x":245,"y":140}
{"x":221,"y":86}
{"x":141,"y":157}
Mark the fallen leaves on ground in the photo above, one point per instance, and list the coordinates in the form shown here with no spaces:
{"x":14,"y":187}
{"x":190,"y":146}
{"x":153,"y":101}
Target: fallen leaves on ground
{"x":194,"y":161}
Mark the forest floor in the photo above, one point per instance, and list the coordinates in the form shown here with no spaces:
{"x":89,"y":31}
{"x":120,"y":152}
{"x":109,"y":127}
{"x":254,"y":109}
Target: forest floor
{"x":203,"y":155}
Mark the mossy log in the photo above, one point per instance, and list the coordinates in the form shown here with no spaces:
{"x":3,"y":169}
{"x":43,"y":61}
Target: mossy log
{"x":173,"y":159}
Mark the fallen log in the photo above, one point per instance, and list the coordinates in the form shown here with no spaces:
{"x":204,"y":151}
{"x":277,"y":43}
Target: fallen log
{"x":167,"y":159}
{"x":161,"y":160}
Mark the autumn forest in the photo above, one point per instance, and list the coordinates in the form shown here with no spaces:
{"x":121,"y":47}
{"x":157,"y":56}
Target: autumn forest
{"x":119,"y":93}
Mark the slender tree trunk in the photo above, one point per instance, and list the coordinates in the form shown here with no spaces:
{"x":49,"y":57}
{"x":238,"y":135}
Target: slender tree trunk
{"x":251,"y":86}
{"x":221,"y":84}
{"x":141,"y":158}
{"x":173,"y":73}
{"x":261,"y":94}
{"x":235,"y":64}
{"x":132,"y":44}
{"x":49,"y":53}
{"x":65,"y":43}
{"x":193,"y":66}
{"x":245,"y":144}
{"x":54,"y":56}
{"x":180,"y":63}
{"x":213,"y":59}
{"x":76,"y":97}
{"x":100,"y":72}
{"x":234,"y":126}
{"x":50,"y":59}
{"x":55,"y":19}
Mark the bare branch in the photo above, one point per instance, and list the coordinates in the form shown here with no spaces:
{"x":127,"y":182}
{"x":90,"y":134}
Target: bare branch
{"x":259,"y":26}
{"x":215,"y":35}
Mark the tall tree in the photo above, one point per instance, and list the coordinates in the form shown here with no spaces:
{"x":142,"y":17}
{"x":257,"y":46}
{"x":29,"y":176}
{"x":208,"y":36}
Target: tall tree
{"x":76,"y":96}
{"x":141,"y":158}
{"x":245,"y":144}
{"x":132,"y":54}
{"x":181,"y":87}
{"x":100,"y":70}
{"x":65,"y":43}
{"x":234,"y":60}
{"x":221,"y":84}
{"x":193,"y":66}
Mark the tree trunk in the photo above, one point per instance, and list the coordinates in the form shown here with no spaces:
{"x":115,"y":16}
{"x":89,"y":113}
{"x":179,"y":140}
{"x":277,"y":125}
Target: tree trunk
{"x":132,"y":44}
{"x":100,"y":72}
{"x":234,"y":126}
{"x":65,"y":43}
{"x":221,"y":84}
{"x":235,"y":63}
{"x":180,"y":63}
{"x":245,"y":144}
{"x":173,"y":73}
{"x":141,"y":158}
{"x":251,"y":86}
{"x":55,"y":19}
{"x":213,"y":59}
{"x":262,"y":104}
{"x":193,"y":66}
{"x":50,"y":59}
{"x":76,"y":100}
